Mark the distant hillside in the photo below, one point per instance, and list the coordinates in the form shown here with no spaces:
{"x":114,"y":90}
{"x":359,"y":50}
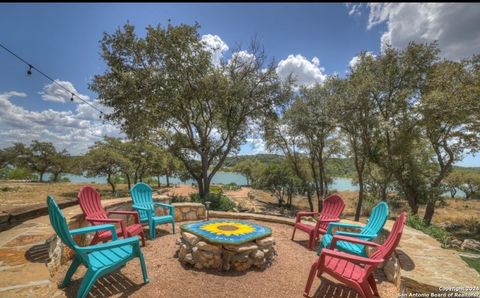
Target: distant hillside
{"x":264,"y":158}
{"x":337,"y":167}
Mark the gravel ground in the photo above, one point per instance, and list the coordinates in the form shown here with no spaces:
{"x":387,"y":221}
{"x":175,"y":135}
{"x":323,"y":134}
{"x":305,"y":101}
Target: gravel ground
{"x":168,"y":278}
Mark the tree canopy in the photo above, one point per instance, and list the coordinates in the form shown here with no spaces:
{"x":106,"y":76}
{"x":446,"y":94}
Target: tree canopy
{"x":165,"y":87}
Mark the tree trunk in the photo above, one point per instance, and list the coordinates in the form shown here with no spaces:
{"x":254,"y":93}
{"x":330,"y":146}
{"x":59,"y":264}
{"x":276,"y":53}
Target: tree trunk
{"x":360,"y":196}
{"x":55,"y":176}
{"x":158,"y":181}
{"x":109,"y":180}
{"x":168,"y":180}
{"x":128,"y":181}
{"x":41,"y":176}
{"x":429,"y":211}
{"x":309,"y":198}
{"x":412,"y":203}
{"x":453,"y":192}
{"x":206,"y":187}
{"x":383,"y":193}
{"x":204,"y":178}
{"x":200,"y":186}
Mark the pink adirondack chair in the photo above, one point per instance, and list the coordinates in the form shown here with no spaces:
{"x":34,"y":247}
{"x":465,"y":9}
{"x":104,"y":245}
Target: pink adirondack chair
{"x":333,"y":206}
{"x":352,"y":270}
{"x":89,"y":200}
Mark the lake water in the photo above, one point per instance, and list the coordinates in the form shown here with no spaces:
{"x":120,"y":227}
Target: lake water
{"x":339,"y":184}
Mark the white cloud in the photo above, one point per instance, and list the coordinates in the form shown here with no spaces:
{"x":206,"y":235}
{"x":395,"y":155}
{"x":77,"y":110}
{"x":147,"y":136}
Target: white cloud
{"x":356,"y":59}
{"x":257,"y":145}
{"x":216,"y":46}
{"x":16,"y":94}
{"x":454,"y":26}
{"x":353,"y":9}
{"x":53,"y":92}
{"x":242,"y":58}
{"x":306,"y":73}
{"x":71,"y":130}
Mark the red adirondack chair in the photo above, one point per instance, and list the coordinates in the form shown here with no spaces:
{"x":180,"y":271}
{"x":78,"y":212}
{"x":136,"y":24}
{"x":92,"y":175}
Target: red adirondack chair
{"x":89,"y":200}
{"x":333,"y":206}
{"x":355,"y":271}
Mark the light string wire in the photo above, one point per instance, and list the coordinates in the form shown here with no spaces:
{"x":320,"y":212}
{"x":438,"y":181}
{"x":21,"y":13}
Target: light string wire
{"x":29,"y":72}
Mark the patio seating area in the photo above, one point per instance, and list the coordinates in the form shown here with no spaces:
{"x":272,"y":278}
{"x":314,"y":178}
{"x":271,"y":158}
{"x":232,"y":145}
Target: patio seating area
{"x":30,"y":250}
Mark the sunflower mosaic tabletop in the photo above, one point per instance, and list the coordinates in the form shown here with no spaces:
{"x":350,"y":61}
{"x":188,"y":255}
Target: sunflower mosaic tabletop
{"x":227,"y":231}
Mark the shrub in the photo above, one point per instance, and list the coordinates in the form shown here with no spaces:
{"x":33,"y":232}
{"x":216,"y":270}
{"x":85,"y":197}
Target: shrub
{"x":216,"y":189}
{"x":9,"y":188}
{"x":219,"y":202}
{"x":473,"y":225}
{"x":65,"y":179}
{"x":436,"y":232}
{"x":179,"y":199}
{"x":18,"y":173}
{"x":231,"y":186}
{"x":368,"y":203}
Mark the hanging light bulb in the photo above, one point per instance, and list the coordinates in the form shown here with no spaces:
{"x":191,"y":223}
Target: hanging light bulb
{"x":29,"y":71}
{"x":71,"y":98}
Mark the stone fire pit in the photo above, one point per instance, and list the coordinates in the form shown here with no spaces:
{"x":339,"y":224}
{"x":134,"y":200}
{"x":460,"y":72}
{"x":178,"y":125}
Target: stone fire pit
{"x":226,"y":244}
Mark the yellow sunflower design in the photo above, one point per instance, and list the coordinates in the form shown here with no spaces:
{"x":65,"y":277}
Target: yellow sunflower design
{"x":228,"y":228}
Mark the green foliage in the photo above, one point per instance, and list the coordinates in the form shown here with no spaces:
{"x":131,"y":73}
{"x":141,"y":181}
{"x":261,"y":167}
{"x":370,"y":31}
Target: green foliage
{"x":164,"y":86}
{"x":266,"y":159}
{"x":231,"y":186}
{"x":103,"y":159}
{"x":17,"y":173}
{"x":368,"y":203}
{"x":472,"y":262}
{"x":436,"y":232}
{"x":219,"y":202}
{"x":249,"y":168}
{"x":216,"y":189}
{"x":467,"y":181}
{"x":473,"y":225}
{"x":279,"y":179}
{"x":65,"y":179}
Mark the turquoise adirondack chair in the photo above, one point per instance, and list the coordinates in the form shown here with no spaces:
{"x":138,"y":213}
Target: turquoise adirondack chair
{"x":99,"y":259}
{"x":143,"y":202}
{"x":368,"y":232}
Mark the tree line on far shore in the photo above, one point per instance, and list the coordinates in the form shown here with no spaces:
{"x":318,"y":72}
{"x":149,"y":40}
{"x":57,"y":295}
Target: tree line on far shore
{"x":117,"y":160}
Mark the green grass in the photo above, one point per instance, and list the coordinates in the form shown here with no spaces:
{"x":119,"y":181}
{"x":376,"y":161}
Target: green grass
{"x":436,"y":232}
{"x":472,"y":262}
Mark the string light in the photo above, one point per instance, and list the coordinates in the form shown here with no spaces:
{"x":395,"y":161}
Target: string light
{"x":29,"y":74}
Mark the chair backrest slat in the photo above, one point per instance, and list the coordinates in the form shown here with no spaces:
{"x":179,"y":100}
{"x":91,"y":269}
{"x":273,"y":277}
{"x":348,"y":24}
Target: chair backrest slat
{"x":89,"y":200}
{"x":377,"y":219}
{"x":142,"y":196}
{"x":393,"y":239}
{"x":333,"y":206}
{"x":59,"y":223}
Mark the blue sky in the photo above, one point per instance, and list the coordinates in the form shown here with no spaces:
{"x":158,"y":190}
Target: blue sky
{"x":310,"y":40}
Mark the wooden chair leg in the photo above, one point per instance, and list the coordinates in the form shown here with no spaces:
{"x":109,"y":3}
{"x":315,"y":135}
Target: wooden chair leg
{"x":294,"y":229}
